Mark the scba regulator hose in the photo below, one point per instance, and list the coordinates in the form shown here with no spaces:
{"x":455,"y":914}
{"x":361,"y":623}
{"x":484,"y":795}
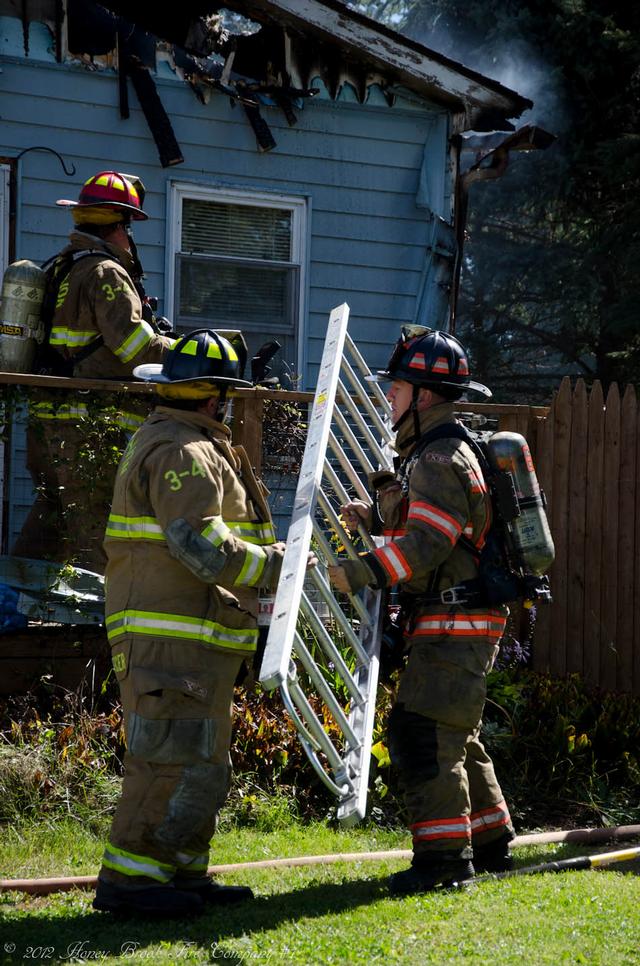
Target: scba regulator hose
{"x":41,"y":887}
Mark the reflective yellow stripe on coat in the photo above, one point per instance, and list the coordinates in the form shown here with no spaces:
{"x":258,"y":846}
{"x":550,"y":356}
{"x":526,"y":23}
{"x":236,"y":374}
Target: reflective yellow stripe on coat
{"x":62,"y":335}
{"x":180,"y":626}
{"x":133,"y":528}
{"x":217,"y":531}
{"x":72,"y":413}
{"x":48,"y":410}
{"x":135,"y":342}
{"x":253,"y":532}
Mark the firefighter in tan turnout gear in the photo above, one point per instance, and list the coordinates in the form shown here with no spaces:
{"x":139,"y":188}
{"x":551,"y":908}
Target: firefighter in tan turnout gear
{"x":435,"y":512}
{"x":101,"y":326}
{"x":190,"y":543}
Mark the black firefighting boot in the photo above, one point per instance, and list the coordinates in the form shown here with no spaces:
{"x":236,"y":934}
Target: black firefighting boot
{"x":213,"y":893}
{"x":430,"y":871}
{"x":154,"y":902}
{"x":494,"y":856}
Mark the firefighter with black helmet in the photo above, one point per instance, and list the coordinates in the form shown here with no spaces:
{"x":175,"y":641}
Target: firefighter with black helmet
{"x":190,"y":545}
{"x":455,"y":807}
{"x":101,"y":325}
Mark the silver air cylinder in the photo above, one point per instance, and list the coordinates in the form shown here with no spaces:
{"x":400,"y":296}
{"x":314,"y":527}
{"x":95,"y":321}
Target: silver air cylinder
{"x":21,"y":327}
{"x":529,"y":530}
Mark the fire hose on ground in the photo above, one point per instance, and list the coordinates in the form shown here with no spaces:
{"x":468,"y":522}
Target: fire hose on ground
{"x":569,"y":836}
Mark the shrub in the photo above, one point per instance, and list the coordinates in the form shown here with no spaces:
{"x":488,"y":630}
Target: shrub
{"x":564,"y":753}
{"x":565,"y":756}
{"x":65,"y":760}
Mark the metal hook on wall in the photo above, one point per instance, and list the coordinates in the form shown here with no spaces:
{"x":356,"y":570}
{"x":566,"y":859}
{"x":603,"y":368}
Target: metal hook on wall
{"x":69,"y":174}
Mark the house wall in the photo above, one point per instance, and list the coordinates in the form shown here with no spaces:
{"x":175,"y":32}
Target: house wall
{"x":360,"y":168}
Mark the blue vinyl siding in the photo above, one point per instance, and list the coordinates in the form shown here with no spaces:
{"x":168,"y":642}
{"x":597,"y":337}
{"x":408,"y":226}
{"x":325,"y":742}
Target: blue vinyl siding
{"x":357,"y":165}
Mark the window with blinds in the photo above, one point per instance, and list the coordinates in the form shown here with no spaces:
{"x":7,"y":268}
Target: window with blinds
{"x":237,"y":268}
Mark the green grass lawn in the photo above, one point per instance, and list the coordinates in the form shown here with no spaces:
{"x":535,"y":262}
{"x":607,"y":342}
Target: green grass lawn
{"x":324,"y":914}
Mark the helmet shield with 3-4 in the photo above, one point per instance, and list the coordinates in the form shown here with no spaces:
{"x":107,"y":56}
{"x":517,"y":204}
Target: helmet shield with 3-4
{"x":197,"y":363}
{"x":430,"y":359}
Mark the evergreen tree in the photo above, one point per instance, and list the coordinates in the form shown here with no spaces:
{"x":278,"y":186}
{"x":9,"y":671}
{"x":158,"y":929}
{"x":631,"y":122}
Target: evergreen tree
{"x":550,"y":279}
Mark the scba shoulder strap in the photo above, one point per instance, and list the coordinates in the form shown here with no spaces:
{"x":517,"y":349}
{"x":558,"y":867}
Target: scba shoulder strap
{"x":446,"y":431}
{"x":56,"y":269}
{"x":469,"y":593}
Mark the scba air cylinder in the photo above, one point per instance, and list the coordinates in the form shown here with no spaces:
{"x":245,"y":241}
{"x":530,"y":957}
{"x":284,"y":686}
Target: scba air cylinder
{"x":21,"y":327}
{"x":529,"y":529}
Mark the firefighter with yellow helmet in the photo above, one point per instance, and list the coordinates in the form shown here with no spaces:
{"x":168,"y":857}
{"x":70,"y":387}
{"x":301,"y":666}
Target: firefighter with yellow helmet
{"x":435,"y":512}
{"x":100,"y":327}
{"x":190,"y":544}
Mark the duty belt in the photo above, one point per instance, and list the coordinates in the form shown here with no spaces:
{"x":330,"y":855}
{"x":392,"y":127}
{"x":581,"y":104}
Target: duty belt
{"x":468,"y":593}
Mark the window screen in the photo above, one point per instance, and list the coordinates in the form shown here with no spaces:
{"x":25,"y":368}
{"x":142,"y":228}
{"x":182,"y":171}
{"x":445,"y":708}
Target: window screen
{"x":242,"y":231}
{"x":235,"y":270}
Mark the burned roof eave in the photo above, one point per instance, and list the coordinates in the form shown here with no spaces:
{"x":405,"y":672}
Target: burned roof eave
{"x":480,"y":102}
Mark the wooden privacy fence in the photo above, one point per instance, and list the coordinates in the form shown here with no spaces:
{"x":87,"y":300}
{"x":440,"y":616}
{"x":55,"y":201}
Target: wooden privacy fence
{"x":588,"y":462}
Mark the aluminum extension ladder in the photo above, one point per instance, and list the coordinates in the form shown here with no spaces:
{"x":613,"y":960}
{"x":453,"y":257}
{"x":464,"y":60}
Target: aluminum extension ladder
{"x":323,"y":648}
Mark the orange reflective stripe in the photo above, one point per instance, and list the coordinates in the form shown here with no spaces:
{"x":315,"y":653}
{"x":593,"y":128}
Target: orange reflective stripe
{"x":487,"y":818}
{"x":442,"y":828}
{"x":394,"y":562}
{"x":478,"y":484}
{"x":441,"y":365}
{"x":480,"y":542}
{"x":489,"y":625}
{"x":433,"y":516}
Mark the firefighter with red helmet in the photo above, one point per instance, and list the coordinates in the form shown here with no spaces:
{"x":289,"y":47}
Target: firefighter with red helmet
{"x":429,"y":510}
{"x":101,"y":326}
{"x":190,"y":543}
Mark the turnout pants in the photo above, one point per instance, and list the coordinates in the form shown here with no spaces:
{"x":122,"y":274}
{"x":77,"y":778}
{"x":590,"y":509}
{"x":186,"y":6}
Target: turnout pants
{"x":74,"y":487}
{"x":451,"y":794}
{"x":176,"y":700}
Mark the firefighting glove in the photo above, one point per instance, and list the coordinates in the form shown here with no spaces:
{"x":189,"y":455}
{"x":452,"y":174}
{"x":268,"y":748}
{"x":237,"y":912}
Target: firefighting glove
{"x":163,"y":325}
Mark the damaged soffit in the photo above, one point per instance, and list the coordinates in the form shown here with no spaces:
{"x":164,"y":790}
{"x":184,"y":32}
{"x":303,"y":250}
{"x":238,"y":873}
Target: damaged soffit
{"x":326,"y":37}
{"x":260,"y":53}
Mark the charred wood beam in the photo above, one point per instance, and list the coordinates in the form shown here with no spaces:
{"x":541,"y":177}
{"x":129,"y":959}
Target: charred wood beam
{"x":58,"y":29}
{"x":123,"y":93}
{"x":284,"y":103}
{"x":261,"y":129}
{"x":155,"y":114}
{"x":25,"y":26}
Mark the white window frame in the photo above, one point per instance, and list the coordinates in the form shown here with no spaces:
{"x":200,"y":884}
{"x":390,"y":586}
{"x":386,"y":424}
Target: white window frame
{"x":298,"y":206}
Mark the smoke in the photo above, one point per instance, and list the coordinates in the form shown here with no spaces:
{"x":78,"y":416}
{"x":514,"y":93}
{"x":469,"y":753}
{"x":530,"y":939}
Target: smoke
{"x":521,"y":68}
{"x":515,"y":64}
